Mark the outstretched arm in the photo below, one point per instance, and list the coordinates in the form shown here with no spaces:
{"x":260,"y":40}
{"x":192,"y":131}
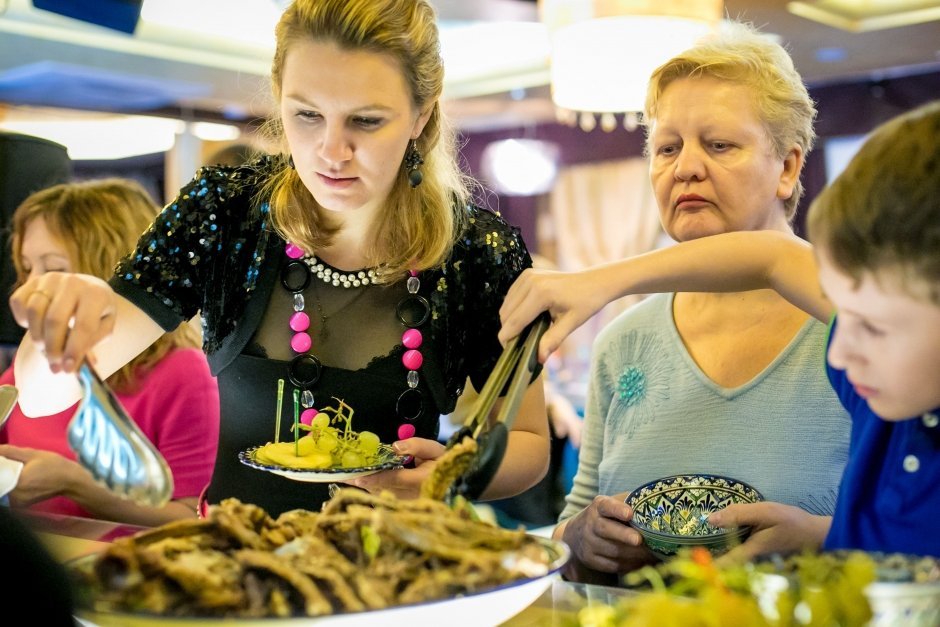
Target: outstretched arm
{"x":729,"y":262}
{"x":46,"y":474}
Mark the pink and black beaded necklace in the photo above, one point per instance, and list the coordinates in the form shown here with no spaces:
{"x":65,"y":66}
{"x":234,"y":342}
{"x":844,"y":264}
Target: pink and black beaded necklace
{"x":305,"y":368}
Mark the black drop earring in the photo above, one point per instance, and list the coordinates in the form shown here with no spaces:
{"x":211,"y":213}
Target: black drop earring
{"x":413,"y":161}
{"x":290,"y":162}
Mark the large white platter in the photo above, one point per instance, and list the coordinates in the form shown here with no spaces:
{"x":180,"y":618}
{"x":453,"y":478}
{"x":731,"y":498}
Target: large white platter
{"x":480,"y":609}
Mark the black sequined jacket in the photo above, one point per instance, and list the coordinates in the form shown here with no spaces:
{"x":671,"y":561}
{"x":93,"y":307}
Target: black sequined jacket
{"x":212,"y":251}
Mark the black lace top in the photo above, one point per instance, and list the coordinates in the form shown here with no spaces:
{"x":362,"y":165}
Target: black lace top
{"x":212,"y":251}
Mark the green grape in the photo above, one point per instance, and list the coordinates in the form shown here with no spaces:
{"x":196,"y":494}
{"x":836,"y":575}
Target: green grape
{"x":368,"y":443}
{"x":327,"y":441}
{"x":352,"y":459}
{"x":320,"y":421}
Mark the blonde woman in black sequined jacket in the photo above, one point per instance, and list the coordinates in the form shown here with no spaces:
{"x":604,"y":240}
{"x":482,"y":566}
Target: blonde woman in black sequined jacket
{"x":367,"y":181}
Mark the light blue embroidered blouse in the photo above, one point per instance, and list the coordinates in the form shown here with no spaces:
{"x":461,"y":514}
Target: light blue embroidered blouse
{"x":651,"y":412}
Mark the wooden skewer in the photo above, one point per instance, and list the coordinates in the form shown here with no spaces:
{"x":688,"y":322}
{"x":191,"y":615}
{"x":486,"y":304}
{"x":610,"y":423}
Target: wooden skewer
{"x":280,"y":404}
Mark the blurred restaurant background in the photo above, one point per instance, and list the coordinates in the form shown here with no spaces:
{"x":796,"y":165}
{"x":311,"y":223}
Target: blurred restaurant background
{"x":545,"y":94}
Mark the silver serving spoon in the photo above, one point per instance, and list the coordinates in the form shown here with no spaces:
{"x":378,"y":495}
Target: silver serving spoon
{"x":111,"y":445}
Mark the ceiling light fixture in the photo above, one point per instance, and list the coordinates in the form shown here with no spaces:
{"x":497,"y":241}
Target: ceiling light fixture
{"x":102,"y":136}
{"x":859,"y":17}
{"x":603,"y":51}
{"x":520,"y":167}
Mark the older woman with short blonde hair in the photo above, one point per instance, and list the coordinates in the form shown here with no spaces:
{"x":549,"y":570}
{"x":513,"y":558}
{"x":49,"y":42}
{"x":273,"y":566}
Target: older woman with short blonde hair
{"x":724,"y":383}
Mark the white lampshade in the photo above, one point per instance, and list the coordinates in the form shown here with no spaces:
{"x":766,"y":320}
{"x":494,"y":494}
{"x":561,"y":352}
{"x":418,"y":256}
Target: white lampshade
{"x":604,"y":51}
{"x":520,"y":167}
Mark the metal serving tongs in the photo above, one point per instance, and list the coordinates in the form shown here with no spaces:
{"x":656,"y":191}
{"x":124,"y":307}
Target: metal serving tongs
{"x":109,"y":444}
{"x":520,"y":362}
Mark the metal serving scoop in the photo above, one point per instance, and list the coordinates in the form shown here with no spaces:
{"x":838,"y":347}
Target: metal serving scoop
{"x":109,"y":444}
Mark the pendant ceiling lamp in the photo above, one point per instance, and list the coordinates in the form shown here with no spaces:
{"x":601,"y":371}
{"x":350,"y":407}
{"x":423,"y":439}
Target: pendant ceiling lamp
{"x":603,"y":51}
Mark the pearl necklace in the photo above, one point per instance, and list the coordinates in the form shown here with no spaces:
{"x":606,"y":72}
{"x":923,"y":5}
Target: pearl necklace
{"x":334,"y":277}
{"x":305,"y":369}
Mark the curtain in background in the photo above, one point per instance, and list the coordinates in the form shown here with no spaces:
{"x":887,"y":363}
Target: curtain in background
{"x":600,"y":212}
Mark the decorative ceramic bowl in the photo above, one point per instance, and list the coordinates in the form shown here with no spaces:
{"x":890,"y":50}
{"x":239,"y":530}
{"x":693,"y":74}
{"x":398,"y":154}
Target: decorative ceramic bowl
{"x":672,"y":513}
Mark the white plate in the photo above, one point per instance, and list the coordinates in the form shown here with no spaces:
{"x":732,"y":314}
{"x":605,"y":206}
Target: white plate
{"x":321,"y":475}
{"x":480,"y":609}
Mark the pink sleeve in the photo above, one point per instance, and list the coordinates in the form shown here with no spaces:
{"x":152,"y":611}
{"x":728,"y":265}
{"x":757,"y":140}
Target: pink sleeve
{"x":177,"y":407}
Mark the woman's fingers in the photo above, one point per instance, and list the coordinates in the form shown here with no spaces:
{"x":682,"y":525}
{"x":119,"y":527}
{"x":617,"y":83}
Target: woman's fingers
{"x":519,"y":308}
{"x":420,"y":448}
{"x":517,"y":316}
{"x":611,"y":545}
{"x":612,"y":507}
{"x":94,"y":320}
{"x":536,"y":291}
{"x":65,"y":314}
{"x":29,"y":305}
{"x":560,"y":328}
{"x":54,"y":328}
{"x":18,"y":306}
{"x":16,"y":453}
{"x":404,"y":482}
{"x":516,"y":293}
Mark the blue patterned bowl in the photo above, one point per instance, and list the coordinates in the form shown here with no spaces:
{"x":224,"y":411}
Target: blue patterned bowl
{"x":671,"y":513}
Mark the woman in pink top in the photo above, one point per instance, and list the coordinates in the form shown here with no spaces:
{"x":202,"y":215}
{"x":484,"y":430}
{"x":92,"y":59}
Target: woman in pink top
{"x":168,"y":390}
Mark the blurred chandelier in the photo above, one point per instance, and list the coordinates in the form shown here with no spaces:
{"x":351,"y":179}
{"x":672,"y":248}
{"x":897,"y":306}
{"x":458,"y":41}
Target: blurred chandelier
{"x":604,"y":51}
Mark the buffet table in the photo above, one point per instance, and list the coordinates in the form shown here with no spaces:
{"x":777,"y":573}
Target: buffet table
{"x":559,"y":605}
{"x":69,"y":537}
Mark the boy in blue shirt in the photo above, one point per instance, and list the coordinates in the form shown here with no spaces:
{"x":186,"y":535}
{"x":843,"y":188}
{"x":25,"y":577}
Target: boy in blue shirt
{"x":876,"y":232}
{"x":876,"y":255}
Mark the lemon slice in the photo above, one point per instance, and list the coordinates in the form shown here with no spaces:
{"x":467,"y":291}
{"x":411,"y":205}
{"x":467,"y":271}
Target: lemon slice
{"x":282,"y":454}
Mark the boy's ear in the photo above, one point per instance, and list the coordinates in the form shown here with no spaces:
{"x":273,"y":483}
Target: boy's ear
{"x":792,"y":165}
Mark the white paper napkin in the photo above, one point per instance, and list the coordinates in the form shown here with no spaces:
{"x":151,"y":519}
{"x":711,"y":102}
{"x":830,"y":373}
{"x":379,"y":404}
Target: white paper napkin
{"x":9,"y":474}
